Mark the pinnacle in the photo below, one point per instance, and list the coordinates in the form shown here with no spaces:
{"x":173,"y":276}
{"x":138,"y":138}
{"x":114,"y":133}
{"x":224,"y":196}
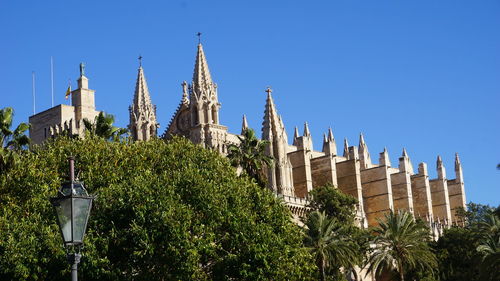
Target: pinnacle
{"x":439,"y":161}
{"x":201,"y":75}
{"x":405,"y":154}
{"x":306,"y":130}
{"x":457,"y":159}
{"x":361,"y":140}
{"x":346,"y":148}
{"x":296,"y":133}
{"x":142,"y":99}
{"x":244,"y":125}
{"x":325,"y":140}
{"x":330,"y":134}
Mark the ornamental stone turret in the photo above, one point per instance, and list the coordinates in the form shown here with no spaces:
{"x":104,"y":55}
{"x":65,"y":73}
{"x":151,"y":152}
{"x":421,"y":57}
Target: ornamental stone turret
{"x":329,"y":145}
{"x":280,"y":174}
{"x":143,"y":125}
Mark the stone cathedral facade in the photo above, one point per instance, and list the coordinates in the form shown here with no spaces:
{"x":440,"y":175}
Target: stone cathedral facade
{"x":379,"y":186}
{"x":298,"y":168}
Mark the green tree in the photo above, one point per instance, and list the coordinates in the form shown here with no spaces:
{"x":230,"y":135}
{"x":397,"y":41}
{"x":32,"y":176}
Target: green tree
{"x":103,"y":127}
{"x":11,"y":141}
{"x":329,"y":243}
{"x":475,"y":213}
{"x":489,"y":246}
{"x":458,"y":251}
{"x":250,"y":156}
{"x":457,"y":256}
{"x":340,"y":209}
{"x":400,"y":244}
{"x":164,"y":211}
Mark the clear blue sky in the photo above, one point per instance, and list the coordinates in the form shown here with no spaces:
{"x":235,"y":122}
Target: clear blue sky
{"x":424,"y":75}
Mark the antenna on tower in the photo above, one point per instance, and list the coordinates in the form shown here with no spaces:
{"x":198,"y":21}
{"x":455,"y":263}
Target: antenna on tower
{"x":52,"y":78}
{"x":33,"y":90}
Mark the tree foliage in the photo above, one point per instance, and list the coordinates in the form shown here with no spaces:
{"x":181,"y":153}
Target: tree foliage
{"x":331,"y":234}
{"x":164,"y":211}
{"x":400,"y":244}
{"x":250,"y":156}
{"x":103,"y":127}
{"x":472,"y":252}
{"x":330,"y":244}
{"x":11,"y":142}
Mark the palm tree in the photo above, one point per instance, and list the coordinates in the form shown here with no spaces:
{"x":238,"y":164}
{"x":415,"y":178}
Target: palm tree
{"x":328,"y":243}
{"x":490,"y":251}
{"x":400,"y":244}
{"x":250,"y":156}
{"x":103,"y":127}
{"x":489,"y":247}
{"x":11,"y":141}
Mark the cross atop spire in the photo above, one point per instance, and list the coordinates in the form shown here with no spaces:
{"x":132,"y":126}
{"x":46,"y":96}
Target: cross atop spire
{"x":269,"y":90}
{"x":140,"y":60}
{"x":199,"y":37}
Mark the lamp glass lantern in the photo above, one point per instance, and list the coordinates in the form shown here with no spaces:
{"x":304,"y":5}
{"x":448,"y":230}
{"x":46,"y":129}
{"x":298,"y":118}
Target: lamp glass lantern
{"x":72,"y":206}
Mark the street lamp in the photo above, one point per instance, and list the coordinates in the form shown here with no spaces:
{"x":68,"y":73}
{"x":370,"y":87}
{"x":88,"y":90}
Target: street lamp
{"x":72,"y":206}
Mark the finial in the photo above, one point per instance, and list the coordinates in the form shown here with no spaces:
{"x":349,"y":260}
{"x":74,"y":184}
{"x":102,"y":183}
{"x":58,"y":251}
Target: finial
{"x":405,"y":154}
{"x":439,"y":161}
{"x":244,"y":124}
{"x":385,"y":149}
{"x":330,"y":134}
{"x":325,"y":140}
{"x":346,"y":148}
{"x":82,"y":69}
{"x":269,"y":90}
{"x":361,"y":140}
{"x":199,"y":37}
{"x":140,"y":60}
{"x":306,"y":130}
{"x":457,"y":159}
{"x":296,"y":133}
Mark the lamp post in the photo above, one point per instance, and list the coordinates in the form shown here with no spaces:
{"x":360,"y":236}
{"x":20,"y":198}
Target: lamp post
{"x":72,"y":206}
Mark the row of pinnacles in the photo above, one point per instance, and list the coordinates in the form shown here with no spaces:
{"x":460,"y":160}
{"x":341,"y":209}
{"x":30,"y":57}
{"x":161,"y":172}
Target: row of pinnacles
{"x":297,"y":169}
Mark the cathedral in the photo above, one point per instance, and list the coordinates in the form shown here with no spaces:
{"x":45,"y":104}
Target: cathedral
{"x":297,"y":167}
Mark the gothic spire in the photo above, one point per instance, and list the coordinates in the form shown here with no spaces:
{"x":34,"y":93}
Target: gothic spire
{"x":202,"y":80}
{"x":271,"y":118}
{"x":143,"y":124}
